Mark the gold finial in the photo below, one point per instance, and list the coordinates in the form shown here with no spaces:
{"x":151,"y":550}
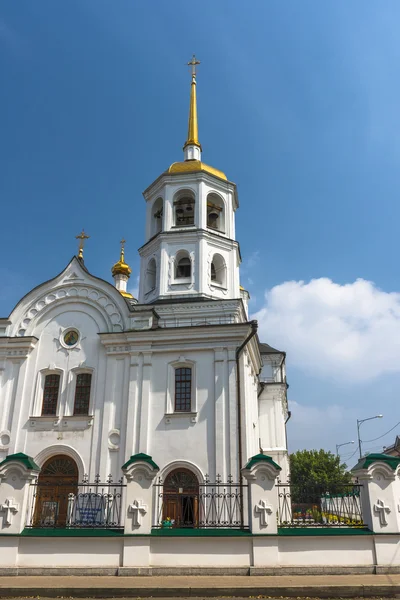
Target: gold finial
{"x":120,"y":267}
{"x":193,"y":131}
{"x":82,"y":237}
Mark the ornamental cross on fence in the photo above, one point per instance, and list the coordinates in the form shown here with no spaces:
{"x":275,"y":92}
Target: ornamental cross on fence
{"x":382,"y":510}
{"x":263,"y":509}
{"x":10,"y":507}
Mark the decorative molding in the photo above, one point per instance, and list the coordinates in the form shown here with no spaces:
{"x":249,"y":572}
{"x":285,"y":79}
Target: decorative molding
{"x":264,"y":510}
{"x":381,"y":509}
{"x":10,"y":507}
{"x":114,"y":438}
{"x":87,"y":294}
{"x":138,"y":511}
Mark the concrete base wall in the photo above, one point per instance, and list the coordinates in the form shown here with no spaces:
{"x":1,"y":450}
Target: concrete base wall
{"x":192,"y":555}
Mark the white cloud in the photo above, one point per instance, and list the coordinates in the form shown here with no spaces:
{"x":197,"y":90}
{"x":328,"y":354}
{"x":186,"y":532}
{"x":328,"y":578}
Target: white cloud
{"x":344,"y":332}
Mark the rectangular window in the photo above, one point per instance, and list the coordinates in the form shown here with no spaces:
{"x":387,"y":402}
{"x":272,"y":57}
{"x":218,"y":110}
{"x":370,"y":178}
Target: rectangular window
{"x":82,"y":394}
{"x":50,"y":394}
{"x":183,"y":389}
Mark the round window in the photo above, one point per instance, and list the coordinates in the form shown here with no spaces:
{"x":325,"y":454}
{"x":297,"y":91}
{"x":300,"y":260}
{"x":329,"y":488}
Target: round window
{"x":71,"y":337}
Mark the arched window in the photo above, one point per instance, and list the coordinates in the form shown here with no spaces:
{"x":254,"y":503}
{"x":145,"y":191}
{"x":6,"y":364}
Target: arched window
{"x":82,"y":393}
{"x":157,"y":216}
{"x":183,"y":268}
{"x":215,"y":212}
{"x":184,"y":209}
{"x":183,"y":389}
{"x":50,"y":394}
{"x":218,"y":270}
{"x":151,"y":275}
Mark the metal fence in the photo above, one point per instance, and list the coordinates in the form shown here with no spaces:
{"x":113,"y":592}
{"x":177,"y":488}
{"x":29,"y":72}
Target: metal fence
{"x":335,"y":505}
{"x":217,"y":505}
{"x":67,"y":504}
{"x":196,"y":321}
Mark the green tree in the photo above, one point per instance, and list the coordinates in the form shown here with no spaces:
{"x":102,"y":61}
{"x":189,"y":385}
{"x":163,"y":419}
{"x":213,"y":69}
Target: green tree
{"x":316,"y":472}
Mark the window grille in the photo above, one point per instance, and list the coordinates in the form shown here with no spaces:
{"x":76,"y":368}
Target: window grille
{"x":82,"y":394}
{"x":183,"y":389}
{"x":50,"y":394}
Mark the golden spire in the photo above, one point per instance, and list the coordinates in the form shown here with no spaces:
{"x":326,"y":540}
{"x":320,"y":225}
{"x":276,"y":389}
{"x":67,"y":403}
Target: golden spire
{"x":193,"y":130}
{"x":120,"y":267}
{"x":82,"y":237}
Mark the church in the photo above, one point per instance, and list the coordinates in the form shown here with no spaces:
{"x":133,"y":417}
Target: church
{"x":91,"y":376}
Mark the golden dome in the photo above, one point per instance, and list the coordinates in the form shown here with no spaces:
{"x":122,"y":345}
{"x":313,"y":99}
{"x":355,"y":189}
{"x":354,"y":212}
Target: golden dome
{"x":120,"y":267}
{"x":191,"y":166}
{"x":125,"y":294}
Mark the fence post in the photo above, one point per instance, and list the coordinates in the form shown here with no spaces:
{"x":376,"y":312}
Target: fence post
{"x":140,"y":471}
{"x":380,"y":492}
{"x":261,"y":473}
{"x":17,"y":472}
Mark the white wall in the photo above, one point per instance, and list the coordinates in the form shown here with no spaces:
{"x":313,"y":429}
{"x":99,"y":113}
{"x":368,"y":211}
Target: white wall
{"x":257,"y":551}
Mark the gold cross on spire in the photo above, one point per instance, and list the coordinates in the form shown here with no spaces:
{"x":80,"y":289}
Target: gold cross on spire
{"x":122,"y":257}
{"x":193,"y":63}
{"x":82,"y":237}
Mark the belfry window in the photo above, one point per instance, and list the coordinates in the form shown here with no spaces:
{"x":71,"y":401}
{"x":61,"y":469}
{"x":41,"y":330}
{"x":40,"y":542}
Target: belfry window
{"x":157,"y":211}
{"x":184,"y":211}
{"x":213,"y":272}
{"x":215,"y":212}
{"x":183,"y":389}
{"x":82,"y":393}
{"x":50,"y":394}
{"x":218,"y":270}
{"x":183,"y":268}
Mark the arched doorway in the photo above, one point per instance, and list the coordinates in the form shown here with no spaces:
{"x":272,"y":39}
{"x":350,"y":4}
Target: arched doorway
{"x":58,"y":480}
{"x":181,"y":498}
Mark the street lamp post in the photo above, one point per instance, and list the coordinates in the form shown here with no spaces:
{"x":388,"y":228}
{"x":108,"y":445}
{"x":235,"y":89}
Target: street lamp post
{"x":360,"y":422}
{"x":340,"y":445}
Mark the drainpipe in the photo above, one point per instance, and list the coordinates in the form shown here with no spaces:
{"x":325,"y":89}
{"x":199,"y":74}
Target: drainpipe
{"x":239,"y":350}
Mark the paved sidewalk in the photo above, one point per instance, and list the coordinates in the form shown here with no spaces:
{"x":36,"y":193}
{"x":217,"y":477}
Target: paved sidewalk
{"x":314,"y":586}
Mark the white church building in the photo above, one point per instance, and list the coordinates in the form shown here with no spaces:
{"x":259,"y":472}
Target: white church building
{"x":90,"y":376}
{"x":148,"y":436}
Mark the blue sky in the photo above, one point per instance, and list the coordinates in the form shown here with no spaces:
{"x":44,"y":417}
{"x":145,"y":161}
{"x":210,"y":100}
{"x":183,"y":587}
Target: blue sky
{"x":298,"y":104}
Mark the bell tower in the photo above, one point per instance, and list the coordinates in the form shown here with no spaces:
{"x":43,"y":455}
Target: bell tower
{"x":190,"y":249}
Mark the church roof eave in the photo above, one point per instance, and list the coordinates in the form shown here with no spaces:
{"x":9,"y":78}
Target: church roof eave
{"x":167,"y":177}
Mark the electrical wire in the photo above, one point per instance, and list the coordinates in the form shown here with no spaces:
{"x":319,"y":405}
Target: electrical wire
{"x":351,"y":456}
{"x":381,"y":436}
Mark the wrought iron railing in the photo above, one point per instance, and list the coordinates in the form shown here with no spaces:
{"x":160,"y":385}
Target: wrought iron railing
{"x":216,"y":505}
{"x":196,"y":321}
{"x":67,"y":504}
{"x":335,"y":505}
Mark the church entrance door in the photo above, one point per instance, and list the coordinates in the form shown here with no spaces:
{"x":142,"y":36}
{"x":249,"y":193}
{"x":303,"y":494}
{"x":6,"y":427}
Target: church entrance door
{"x":181,"y":499}
{"x":55,"y":491}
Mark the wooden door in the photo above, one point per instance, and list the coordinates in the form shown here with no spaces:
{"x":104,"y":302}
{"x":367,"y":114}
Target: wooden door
{"x":181,"y":498}
{"x":56,"y":490}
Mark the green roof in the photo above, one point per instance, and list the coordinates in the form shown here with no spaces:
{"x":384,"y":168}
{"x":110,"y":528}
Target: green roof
{"x":262,"y":458}
{"x":392,"y":461}
{"x":26,"y":460}
{"x":141,"y":457}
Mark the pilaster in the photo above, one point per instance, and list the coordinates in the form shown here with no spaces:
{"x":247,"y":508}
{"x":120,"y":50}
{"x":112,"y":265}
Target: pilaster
{"x":17,"y":472}
{"x":378,"y":475}
{"x":140,"y":471}
{"x":261,"y":473}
